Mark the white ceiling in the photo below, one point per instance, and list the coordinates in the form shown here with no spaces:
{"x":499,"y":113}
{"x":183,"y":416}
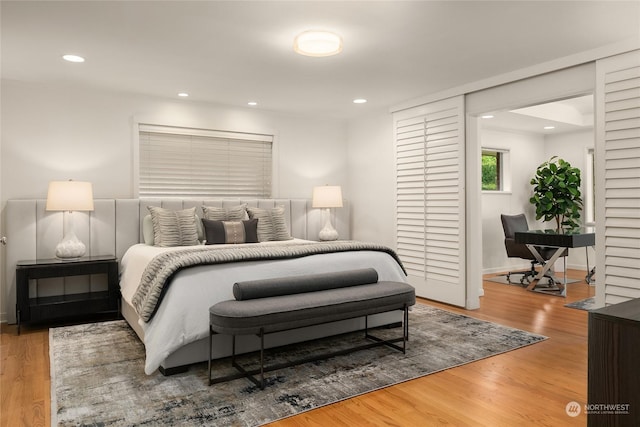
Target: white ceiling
{"x":569,"y":115}
{"x":231,"y":52}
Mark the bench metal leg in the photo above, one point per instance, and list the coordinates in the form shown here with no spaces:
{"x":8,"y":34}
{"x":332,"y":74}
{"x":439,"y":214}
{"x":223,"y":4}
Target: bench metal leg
{"x":210,"y":354}
{"x":250,"y":374}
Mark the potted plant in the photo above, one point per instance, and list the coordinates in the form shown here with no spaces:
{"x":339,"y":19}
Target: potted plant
{"x":556,"y":193}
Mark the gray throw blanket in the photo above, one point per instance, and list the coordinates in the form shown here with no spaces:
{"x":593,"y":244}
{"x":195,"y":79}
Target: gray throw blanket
{"x":157,"y":275}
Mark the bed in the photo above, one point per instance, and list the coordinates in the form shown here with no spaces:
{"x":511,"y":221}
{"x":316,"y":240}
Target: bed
{"x":175,"y":336}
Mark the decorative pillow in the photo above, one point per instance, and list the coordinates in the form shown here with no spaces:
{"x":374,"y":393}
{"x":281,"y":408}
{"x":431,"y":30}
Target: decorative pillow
{"x":271,"y":223}
{"x":218,"y":232}
{"x":147,"y":230}
{"x":174,"y":228}
{"x":234,"y":213}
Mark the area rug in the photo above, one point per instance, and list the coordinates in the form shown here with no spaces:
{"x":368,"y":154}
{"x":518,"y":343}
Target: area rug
{"x":97,"y":373}
{"x":515,"y":280}
{"x":583,"y":304}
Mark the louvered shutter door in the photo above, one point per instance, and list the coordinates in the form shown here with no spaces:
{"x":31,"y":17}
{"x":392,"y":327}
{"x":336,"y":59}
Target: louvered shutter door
{"x":618,"y":155}
{"x":429,"y":145}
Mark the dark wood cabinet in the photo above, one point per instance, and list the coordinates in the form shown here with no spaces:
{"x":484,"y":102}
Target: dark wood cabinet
{"x":36,"y":309}
{"x":614,"y":365}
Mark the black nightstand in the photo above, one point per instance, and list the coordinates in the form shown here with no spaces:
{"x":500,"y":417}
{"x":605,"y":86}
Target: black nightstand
{"x":62,"y":306}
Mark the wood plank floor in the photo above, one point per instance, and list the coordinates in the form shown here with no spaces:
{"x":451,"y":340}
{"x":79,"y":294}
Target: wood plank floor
{"x":529,"y":386}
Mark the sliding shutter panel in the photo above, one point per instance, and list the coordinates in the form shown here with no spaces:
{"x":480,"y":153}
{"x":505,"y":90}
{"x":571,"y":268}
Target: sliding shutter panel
{"x":429,"y":145}
{"x":410,"y":194}
{"x":618,"y":175}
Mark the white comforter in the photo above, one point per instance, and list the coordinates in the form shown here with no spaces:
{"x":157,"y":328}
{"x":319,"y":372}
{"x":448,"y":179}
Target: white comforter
{"x":183,"y":315}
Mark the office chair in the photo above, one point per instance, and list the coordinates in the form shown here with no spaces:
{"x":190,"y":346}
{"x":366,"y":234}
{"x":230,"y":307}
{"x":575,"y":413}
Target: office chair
{"x":511,"y":224}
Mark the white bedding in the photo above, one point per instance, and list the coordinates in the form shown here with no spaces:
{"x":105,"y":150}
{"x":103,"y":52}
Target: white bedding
{"x":183,"y":315}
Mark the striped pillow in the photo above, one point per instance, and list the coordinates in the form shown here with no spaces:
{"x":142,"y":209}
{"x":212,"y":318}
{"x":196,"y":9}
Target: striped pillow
{"x":174,"y":228}
{"x":271,"y":223}
{"x":234,"y":213}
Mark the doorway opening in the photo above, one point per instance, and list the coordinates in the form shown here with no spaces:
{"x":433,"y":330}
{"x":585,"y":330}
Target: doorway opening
{"x":513,"y":143}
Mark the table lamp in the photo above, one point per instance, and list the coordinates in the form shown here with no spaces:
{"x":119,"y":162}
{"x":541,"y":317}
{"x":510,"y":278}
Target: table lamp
{"x":69,"y":196}
{"x":327,"y":197}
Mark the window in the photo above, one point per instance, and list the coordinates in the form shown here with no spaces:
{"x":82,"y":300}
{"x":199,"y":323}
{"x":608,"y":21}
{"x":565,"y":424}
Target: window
{"x":492,"y":170}
{"x":182,"y":162}
{"x":589,"y":188}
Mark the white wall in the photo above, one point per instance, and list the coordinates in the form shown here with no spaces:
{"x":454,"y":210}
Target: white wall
{"x":526,"y":152}
{"x":54,"y":132}
{"x":371,"y":175}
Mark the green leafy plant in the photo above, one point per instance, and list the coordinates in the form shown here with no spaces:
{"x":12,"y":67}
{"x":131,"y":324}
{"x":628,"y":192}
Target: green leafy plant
{"x":556,"y":193}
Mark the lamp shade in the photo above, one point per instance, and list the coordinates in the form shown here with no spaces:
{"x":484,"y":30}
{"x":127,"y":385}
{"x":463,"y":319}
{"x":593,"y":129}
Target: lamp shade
{"x":70,"y":196}
{"x":328,"y":196}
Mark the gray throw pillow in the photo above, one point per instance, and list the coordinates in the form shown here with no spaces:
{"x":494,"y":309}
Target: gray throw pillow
{"x":271,"y":223}
{"x":234,"y":213}
{"x":174,"y":228}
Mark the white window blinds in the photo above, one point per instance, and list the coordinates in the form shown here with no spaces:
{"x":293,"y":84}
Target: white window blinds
{"x":182,"y":162}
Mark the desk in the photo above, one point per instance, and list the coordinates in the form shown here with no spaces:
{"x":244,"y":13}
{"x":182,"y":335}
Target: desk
{"x":576,"y":238}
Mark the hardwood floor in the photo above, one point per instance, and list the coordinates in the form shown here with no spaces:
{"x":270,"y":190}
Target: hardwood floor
{"x":528,"y":386}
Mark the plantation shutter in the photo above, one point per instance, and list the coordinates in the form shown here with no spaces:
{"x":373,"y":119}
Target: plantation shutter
{"x":618,"y":178}
{"x":430,"y":220}
{"x":180,"y":162}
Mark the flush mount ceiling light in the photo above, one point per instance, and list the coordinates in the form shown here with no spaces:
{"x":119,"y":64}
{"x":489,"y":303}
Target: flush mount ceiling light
{"x":183,"y":94}
{"x":317,"y":43}
{"x":73,"y":58}
{"x":359,"y":101}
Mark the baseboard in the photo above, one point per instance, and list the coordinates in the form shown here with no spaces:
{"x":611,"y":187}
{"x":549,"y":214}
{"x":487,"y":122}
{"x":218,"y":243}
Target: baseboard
{"x":527,"y":266}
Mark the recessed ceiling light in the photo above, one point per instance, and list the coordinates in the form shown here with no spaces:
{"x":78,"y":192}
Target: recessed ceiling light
{"x":252,"y":103}
{"x":487,"y":116}
{"x":183,"y":94}
{"x":317,"y":43}
{"x":549,"y":127}
{"x":73,"y":58}
{"x":359,"y":101}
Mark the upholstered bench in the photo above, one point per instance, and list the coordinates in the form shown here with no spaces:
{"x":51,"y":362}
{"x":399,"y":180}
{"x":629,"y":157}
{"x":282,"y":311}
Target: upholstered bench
{"x":272,"y":305}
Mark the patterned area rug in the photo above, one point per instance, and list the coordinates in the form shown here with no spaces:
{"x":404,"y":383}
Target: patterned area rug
{"x":583,"y":304}
{"x":98,"y":375}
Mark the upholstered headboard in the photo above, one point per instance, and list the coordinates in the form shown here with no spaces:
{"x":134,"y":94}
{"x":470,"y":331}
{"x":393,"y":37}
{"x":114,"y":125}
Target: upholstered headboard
{"x":115,"y":225}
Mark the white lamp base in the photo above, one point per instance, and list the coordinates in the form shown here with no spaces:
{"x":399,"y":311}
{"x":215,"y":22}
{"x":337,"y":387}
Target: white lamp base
{"x":328,"y":232}
{"x":70,"y":246}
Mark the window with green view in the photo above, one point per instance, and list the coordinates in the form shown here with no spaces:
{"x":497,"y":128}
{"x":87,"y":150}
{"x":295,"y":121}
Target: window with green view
{"x":491,"y":170}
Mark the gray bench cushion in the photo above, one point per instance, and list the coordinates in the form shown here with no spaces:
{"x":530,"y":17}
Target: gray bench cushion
{"x":286,"y":312}
{"x":278,"y":286}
